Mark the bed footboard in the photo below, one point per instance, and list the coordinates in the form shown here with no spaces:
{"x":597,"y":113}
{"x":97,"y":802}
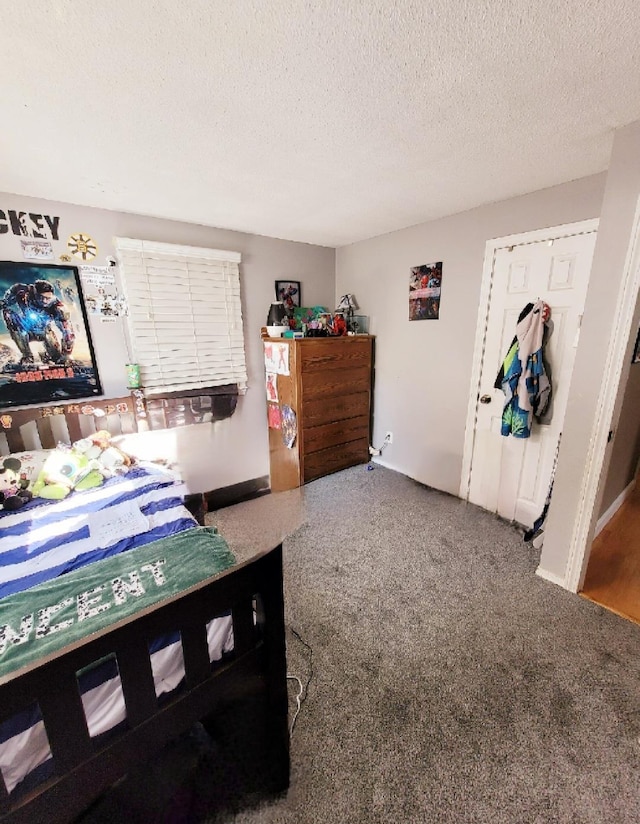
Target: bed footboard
{"x":83,"y":767}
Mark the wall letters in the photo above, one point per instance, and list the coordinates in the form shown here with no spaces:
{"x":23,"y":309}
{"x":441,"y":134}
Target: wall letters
{"x":29,"y":224}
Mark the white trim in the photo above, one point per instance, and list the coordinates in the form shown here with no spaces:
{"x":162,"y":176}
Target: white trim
{"x":378,"y":461}
{"x":549,"y":576}
{"x":171,"y":249}
{"x":582,"y":227}
{"x":617,"y":351}
{"x":604,"y":519}
{"x":476,"y":368}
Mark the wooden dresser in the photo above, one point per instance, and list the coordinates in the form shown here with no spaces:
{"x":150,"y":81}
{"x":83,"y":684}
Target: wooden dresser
{"x":329,"y":389}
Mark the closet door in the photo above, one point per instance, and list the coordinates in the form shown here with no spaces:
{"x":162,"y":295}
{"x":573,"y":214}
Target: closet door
{"x":510,"y":475}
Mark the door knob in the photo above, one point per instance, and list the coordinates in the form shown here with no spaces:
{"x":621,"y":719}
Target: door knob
{"x":485,"y":399}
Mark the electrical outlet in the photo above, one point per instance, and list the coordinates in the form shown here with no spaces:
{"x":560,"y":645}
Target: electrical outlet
{"x":388,"y":438}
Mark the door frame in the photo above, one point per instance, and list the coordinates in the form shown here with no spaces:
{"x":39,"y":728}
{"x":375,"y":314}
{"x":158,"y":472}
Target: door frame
{"x":492,"y":246}
{"x":597,"y":458}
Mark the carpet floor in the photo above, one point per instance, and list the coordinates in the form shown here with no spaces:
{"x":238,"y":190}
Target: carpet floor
{"x":444,"y":681}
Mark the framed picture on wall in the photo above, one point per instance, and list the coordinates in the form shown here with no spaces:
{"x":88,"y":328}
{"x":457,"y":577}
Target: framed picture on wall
{"x":425,"y":284}
{"x":288,"y":291}
{"x":46,"y":352}
{"x":636,"y":349}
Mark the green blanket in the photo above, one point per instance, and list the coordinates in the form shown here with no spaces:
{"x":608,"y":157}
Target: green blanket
{"x":51,"y":615}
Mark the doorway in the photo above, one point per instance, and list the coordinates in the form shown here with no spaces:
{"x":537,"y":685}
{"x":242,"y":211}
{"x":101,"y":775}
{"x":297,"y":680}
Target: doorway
{"x":507,"y":475}
{"x":613,"y":572}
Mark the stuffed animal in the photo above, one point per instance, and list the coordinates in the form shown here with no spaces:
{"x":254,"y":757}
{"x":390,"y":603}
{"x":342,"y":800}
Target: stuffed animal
{"x":14,"y":492}
{"x":109,"y":460}
{"x":82,"y":466}
{"x":64,"y":470}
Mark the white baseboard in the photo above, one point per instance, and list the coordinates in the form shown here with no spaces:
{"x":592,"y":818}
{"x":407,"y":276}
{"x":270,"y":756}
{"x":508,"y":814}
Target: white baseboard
{"x":551,"y":577}
{"x":379,"y":461}
{"x":604,"y":519}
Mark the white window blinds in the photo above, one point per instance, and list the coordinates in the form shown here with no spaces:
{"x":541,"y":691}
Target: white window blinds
{"x":185,"y":318}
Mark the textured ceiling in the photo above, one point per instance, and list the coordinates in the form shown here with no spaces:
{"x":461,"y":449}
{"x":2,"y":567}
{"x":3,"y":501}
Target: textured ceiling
{"x":325,"y":122}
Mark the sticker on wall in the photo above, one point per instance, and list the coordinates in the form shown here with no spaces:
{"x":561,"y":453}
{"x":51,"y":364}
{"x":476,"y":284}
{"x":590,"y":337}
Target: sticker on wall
{"x":276,"y":358}
{"x":65,"y":258}
{"x":97,"y":276}
{"x":82,"y":246}
{"x":36,"y":249}
{"x":140,"y":404}
{"x":425,"y":283}
{"x":87,"y":409}
{"x":289,"y":426}
{"x":272,"y":387}
{"x":274,"y":417}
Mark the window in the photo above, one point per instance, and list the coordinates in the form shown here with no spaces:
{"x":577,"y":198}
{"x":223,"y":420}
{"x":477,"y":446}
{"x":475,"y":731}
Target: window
{"x":185,"y":319}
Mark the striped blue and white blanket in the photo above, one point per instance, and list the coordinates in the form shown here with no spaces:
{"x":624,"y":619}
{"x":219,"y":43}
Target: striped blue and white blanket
{"x":46,"y":539}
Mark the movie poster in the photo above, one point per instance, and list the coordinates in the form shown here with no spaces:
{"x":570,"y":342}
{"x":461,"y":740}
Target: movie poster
{"x":46,"y":352}
{"x":425,"y":283}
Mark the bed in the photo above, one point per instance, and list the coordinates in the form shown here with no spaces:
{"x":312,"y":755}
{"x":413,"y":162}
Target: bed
{"x":112,"y":644}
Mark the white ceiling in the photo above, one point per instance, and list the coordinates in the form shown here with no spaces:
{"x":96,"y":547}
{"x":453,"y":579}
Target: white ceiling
{"x":325,"y":122}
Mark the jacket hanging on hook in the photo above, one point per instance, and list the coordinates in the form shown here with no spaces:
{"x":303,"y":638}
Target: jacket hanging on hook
{"x":522,"y":377}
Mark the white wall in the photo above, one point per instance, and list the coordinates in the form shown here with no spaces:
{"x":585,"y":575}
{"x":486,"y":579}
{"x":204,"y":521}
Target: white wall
{"x":229,"y":451}
{"x":423,"y":368}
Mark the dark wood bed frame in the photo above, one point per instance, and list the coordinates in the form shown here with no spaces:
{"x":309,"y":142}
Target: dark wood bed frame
{"x":84,"y":768}
{"x":43,"y":427}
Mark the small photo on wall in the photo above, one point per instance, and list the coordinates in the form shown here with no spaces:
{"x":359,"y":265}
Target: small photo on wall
{"x":425,"y":283}
{"x":288,"y":291}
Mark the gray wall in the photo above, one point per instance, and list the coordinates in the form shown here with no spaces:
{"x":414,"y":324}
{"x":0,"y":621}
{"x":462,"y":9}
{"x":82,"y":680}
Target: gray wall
{"x":423,"y":368}
{"x":230,"y":451}
{"x":614,"y":234}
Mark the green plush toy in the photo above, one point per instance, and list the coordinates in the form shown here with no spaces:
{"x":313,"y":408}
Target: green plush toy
{"x":63,"y":471}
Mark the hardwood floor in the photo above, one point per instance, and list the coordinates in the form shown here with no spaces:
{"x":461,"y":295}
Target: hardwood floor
{"x":613,"y":574}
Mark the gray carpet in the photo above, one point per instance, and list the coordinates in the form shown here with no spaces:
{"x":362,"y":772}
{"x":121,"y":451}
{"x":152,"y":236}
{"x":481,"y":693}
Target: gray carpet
{"x":450,"y":683}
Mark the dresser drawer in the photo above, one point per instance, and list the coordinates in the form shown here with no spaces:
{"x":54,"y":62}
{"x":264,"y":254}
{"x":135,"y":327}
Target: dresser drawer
{"x":317,"y":464}
{"x":331,"y":382}
{"x":326,"y":410}
{"x":329,"y":353}
{"x":335,"y":433}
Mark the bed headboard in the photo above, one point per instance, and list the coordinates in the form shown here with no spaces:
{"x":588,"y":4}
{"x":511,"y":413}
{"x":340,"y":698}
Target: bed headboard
{"x":43,"y":427}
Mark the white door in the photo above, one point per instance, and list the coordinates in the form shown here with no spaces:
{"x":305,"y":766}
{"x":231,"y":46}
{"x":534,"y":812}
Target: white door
{"x":510,"y":475}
